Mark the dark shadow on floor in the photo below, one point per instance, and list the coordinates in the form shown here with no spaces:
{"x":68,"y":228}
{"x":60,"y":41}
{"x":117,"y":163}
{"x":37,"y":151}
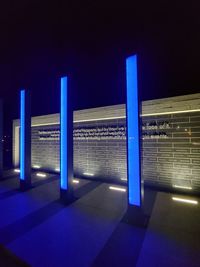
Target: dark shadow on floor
{"x":123,"y":247}
{"x":149,"y":200}
{"x":7,"y":259}
{"x":85,"y":189}
{"x":27,"y":223}
{"x":17,"y":190}
{"x":36,"y":182}
{"x":9,"y":193}
{"x":2,"y":179}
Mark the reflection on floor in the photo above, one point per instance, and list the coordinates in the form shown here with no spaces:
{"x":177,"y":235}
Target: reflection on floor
{"x":39,"y":230}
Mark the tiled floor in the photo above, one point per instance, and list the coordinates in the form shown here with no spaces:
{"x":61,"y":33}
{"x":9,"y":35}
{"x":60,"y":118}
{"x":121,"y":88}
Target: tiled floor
{"x":37,"y":228}
{"x":173,"y":235}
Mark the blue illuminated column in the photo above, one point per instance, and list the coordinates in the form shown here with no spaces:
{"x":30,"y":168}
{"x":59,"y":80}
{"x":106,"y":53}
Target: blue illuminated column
{"x":133,"y":133}
{"x":1,"y":139}
{"x":66,"y":143}
{"x":25,"y":140}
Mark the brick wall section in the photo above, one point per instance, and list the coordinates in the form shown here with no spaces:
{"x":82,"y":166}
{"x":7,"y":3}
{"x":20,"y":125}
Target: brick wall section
{"x":45,"y":153}
{"x":174,"y":160}
{"x":103,"y":158}
{"x":171,"y":159}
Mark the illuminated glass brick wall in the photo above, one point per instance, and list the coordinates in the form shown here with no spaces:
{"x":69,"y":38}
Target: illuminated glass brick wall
{"x":170,"y":143}
{"x":100,"y":149}
{"x":173,"y":157}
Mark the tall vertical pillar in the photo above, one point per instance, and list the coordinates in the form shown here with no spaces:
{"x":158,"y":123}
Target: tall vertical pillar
{"x":25,"y":140}
{"x":135,"y":213}
{"x":133,"y":133}
{"x":1,"y":138}
{"x":66,"y":143}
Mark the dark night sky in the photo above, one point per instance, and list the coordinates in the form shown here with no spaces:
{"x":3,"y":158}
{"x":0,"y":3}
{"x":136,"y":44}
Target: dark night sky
{"x":89,"y":41}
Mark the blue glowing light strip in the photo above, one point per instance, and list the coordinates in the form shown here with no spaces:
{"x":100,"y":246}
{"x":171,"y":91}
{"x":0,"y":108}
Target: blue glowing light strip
{"x":134,"y":186}
{"x":22,"y":134}
{"x":63,"y":135}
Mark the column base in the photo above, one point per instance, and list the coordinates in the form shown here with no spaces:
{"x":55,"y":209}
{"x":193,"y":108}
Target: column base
{"x":135,"y":216}
{"x":25,"y":185}
{"x":66,"y":196}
